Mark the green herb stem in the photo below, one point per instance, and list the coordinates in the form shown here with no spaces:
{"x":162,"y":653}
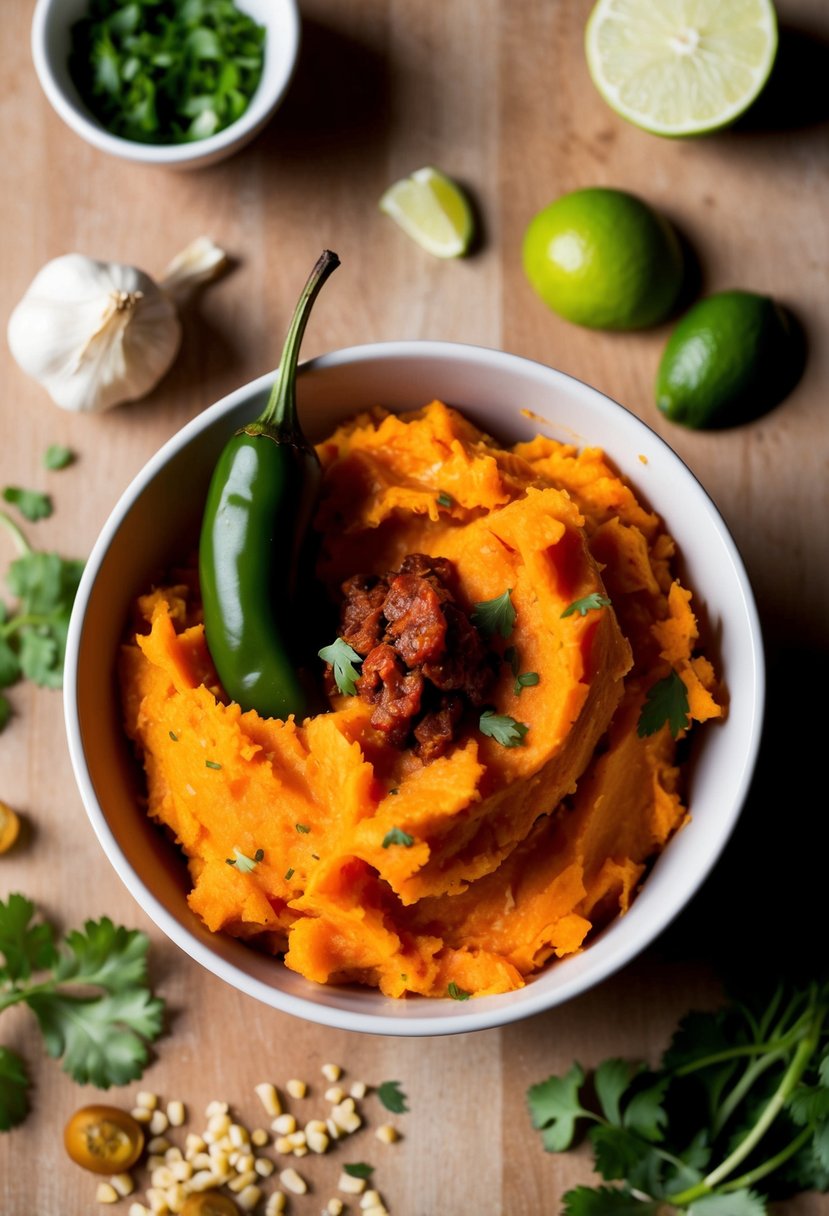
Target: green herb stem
{"x":18,"y":537}
{"x":771,"y":1164}
{"x":790,"y":1079}
{"x":22,"y":994}
{"x":743,"y":1086}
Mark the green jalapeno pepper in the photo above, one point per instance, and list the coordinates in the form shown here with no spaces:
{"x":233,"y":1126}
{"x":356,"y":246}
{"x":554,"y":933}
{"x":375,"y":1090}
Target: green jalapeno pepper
{"x":258,"y":510}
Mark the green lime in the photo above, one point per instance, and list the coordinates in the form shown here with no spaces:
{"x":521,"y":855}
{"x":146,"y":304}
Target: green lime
{"x":681,"y":67}
{"x":604,"y":259}
{"x":433,"y":210}
{"x":732,"y":358}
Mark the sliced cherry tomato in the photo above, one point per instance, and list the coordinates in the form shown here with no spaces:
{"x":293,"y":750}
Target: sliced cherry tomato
{"x":103,"y":1139}
{"x":208,"y":1203}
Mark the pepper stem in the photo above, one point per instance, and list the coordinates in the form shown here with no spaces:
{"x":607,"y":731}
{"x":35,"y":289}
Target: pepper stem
{"x":279,"y":417}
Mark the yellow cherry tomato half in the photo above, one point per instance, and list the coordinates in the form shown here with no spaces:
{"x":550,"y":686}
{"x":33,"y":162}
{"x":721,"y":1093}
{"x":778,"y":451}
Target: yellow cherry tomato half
{"x":209,"y":1204}
{"x":103,"y":1139}
{"x":9,"y":827}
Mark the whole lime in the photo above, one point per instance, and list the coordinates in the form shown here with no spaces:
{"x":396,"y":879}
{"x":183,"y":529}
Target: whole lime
{"x":731,"y":358}
{"x":605,"y":259}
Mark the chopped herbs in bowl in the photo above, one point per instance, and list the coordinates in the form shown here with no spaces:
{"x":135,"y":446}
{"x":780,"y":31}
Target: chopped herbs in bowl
{"x":166,"y":71}
{"x":180,"y":83}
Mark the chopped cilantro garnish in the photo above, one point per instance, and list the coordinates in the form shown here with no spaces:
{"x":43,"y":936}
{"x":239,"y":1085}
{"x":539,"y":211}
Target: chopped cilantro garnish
{"x":342,"y":658}
{"x":502,"y":728}
{"x":394,"y":791}
{"x":495,"y":616}
{"x":444,"y":500}
{"x":289,"y":873}
{"x":666,"y":701}
{"x":398,"y":836}
{"x":57,"y":456}
{"x":456,"y":993}
{"x":586,"y":604}
{"x":523,"y":679}
{"x":173,"y":735}
{"x":212,"y":764}
{"x":303,"y":828}
{"x":243,"y":863}
{"x":31,"y":504}
{"x":166,"y":71}
{"x":392,"y":1097}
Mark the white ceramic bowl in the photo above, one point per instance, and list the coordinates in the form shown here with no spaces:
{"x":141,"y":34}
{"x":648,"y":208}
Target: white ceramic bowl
{"x":145,"y":532}
{"x":51,"y":26}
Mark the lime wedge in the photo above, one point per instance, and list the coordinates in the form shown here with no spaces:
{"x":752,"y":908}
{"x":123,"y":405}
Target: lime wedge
{"x":433,"y":210}
{"x":680,"y":67}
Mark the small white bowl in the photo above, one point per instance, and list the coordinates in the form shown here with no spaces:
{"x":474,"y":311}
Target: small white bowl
{"x":513,"y":399}
{"x":51,"y":39}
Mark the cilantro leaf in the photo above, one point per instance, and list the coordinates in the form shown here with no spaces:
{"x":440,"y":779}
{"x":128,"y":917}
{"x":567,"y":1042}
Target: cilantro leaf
{"x":392,"y":1097}
{"x":502,"y":728}
{"x":101,"y":1039}
{"x":555,"y":1108}
{"x":495,"y":616}
{"x":456,"y":993}
{"x":31,"y":504}
{"x":586,"y":604}
{"x":57,"y":456}
{"x":667,"y":701}
{"x":397,"y":836}
{"x":607,"y":1201}
{"x":612,"y":1079}
{"x":526,"y":679}
{"x":243,"y":863}
{"x":10,"y":670}
{"x":105,"y":955}
{"x":645,"y":1113}
{"x":24,"y":946}
{"x":358,"y":1169}
{"x":444,"y":500}
{"x":342,"y":659}
{"x":14,"y":1084}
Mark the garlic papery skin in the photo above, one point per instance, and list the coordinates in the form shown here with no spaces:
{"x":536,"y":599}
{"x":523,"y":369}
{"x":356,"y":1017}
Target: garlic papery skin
{"x":95,"y":334}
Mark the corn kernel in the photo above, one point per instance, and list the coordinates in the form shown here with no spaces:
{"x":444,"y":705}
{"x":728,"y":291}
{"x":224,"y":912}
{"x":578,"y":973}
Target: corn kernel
{"x":282,"y":1144}
{"x":334,"y":1094}
{"x":239,"y":1136}
{"x":333,"y":1131}
{"x":350,"y":1185}
{"x":285,"y":1125}
{"x":297,"y":1139}
{"x":334,"y":1207}
{"x":358,"y":1090}
{"x":296,"y":1088}
{"x":215,"y":1108}
{"x":182,"y":1171}
{"x":375,"y":1210}
{"x":141,"y":1114}
{"x":370,"y":1199}
{"x":276,"y":1204}
{"x":269,"y":1098}
{"x":239,"y":1183}
{"x":176,"y":1196}
{"x":293,"y":1182}
{"x":218,"y":1125}
{"x":158,"y":1123}
{"x":155,"y":1161}
{"x":201,"y":1161}
{"x":264,"y":1167}
{"x":301,"y":1150}
{"x":138,"y":1209}
{"x":176,"y":1113}
{"x":332,"y":1072}
{"x":158,"y":1144}
{"x":157,"y":1200}
{"x":249,"y":1197}
{"x":259,"y":1137}
{"x":193,"y":1144}
{"x":204,"y":1180}
{"x":318,"y":1142}
{"x":106,"y":1193}
{"x":147,"y":1100}
{"x":123,"y":1184}
{"x":173,"y":1155}
{"x":387,"y":1134}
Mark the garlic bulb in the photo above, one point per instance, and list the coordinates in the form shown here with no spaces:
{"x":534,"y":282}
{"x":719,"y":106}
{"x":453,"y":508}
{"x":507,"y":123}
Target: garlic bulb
{"x":98,"y":333}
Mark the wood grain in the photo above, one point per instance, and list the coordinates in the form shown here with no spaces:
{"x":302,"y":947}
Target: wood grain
{"x":496,"y":92}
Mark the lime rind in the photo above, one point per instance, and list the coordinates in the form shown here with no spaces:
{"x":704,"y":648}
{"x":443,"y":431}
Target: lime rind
{"x":432,"y":210}
{"x":681,"y":67}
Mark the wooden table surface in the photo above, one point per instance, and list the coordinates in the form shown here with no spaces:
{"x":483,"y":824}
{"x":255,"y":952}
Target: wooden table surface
{"x":497,"y":94}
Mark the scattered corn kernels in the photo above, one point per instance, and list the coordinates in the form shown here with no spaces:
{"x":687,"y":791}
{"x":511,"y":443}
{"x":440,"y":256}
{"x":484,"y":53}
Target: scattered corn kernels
{"x":173,"y":1155}
{"x":276,"y":1204}
{"x":176,"y":1113}
{"x":283,"y":1145}
{"x":259,"y":1137}
{"x":106,"y":1193}
{"x":204,"y":1180}
{"x":239,"y":1183}
{"x":146,"y":1099}
{"x":264,"y":1167}
{"x":296,"y":1088}
{"x":123,"y":1184}
{"x":141,"y":1114}
{"x":138,"y":1209}
{"x":334,"y":1207}
{"x":358,"y":1090}
{"x":284,"y":1124}
{"x":158,"y":1144}
{"x":248,"y":1198}
{"x":387,"y":1134}
{"x":158,"y":1123}
{"x":331,"y":1072}
{"x":335,"y":1094}
{"x":371,"y":1199}
{"x":350,"y":1185}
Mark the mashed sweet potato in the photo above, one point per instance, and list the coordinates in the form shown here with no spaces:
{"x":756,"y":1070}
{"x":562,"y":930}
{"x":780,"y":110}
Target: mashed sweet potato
{"x":478,"y":866}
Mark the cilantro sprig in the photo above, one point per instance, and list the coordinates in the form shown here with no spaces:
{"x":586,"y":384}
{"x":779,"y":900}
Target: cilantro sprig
{"x":495,"y":616}
{"x":32,"y":504}
{"x":102,"y":1036}
{"x":392,"y":1097}
{"x":587,"y":603}
{"x":243,"y":863}
{"x":33,"y":628}
{"x":666,"y":701}
{"x":502,"y":728}
{"x":343,"y":659}
{"x":166,"y":71}
{"x":737,"y":1112}
{"x":396,"y":835}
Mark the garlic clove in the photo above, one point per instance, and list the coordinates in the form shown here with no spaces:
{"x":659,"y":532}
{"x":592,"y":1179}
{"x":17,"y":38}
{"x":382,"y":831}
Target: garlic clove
{"x":99,"y":333}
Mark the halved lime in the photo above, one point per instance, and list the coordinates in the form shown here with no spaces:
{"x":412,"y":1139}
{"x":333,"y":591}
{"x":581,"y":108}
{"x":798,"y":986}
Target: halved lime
{"x":433,"y":210}
{"x":680,"y":67}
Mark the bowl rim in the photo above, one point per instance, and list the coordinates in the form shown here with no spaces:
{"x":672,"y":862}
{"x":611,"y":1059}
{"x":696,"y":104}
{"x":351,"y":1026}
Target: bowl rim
{"x":484,"y":1012}
{"x":259,"y":110}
